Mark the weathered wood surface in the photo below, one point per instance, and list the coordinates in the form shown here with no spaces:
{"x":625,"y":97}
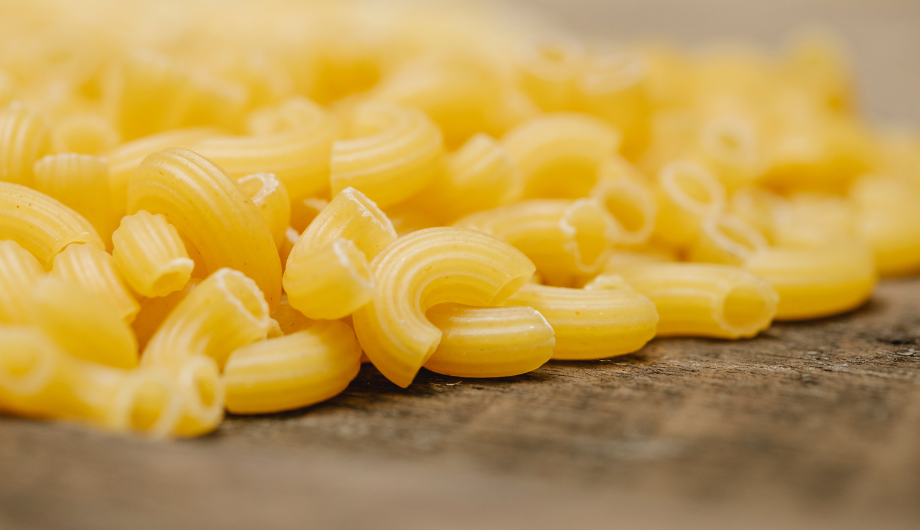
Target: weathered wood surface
{"x":808,"y":426}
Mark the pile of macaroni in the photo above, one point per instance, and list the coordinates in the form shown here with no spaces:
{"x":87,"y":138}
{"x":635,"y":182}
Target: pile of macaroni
{"x":229,"y":206}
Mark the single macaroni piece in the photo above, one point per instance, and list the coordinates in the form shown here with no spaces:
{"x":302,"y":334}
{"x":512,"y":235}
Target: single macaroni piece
{"x":687,"y":195}
{"x":84,"y":133}
{"x":614,"y":85}
{"x":888,"y":220}
{"x":559,"y":154}
{"x":548,"y":68}
{"x":24,"y":138}
{"x":591,"y":324}
{"x":212,"y":211}
{"x":817,"y":281}
{"x":19,"y":272}
{"x":423,"y":269}
{"x":271,"y":198}
{"x":391,"y":153}
{"x":725,"y":238}
{"x":293,"y":371}
{"x":124,"y":159}
{"x":296,"y":151}
{"x":150,"y":255}
{"x":94,"y":270}
{"x":326,"y":275}
{"x":42,"y":225}
{"x":202,"y":395}
{"x":630,"y":202}
{"x":82,"y":183}
{"x":478,"y":176}
{"x":155,"y":310}
{"x":565,"y":239}
{"x":489,"y":341}
{"x":703,"y":300}
{"x":84,"y":325}
{"x":38,"y":378}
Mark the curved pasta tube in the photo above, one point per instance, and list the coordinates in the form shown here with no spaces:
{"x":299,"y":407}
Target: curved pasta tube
{"x":548,"y":70}
{"x":613,"y":85}
{"x":38,"y":378}
{"x":155,"y":310}
{"x":224,"y":312}
{"x":564,"y":239}
{"x":687,"y":194}
{"x":84,"y":325}
{"x":212,"y":211}
{"x":887,"y":219}
{"x":591,"y":324}
{"x":727,"y":239}
{"x":94,"y":270}
{"x":631,"y":203}
{"x":293,"y":371}
{"x":559,"y":154}
{"x":326,"y":275}
{"x":147,"y":93}
{"x":819,"y":281}
{"x":423,"y":269}
{"x":84,"y":133}
{"x":24,"y":138}
{"x":297,"y":154}
{"x":728,"y":146}
{"x":42,"y":225}
{"x":125,"y":158}
{"x":81,"y":182}
{"x":478,"y":176}
{"x":271,"y":198}
{"x":704,"y":300}
{"x":19,"y":272}
{"x":150,"y":255}
{"x":392,"y":153}
{"x":202,"y":395}
{"x":489,"y":341}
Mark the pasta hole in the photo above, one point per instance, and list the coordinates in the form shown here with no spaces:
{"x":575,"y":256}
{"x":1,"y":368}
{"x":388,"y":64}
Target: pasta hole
{"x":247,"y":293}
{"x":691,"y":187}
{"x":744,"y":306}
{"x":150,"y":400}
{"x":510,"y":288}
{"x":251,"y":186}
{"x":168,"y":281}
{"x":589,"y":226}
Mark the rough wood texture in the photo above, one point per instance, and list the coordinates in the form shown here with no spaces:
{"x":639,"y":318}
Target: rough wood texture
{"x":808,"y":426}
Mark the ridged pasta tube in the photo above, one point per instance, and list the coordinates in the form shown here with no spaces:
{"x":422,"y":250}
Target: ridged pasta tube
{"x":210,"y":209}
{"x":687,"y":194}
{"x":704,"y":300}
{"x":42,"y":225}
{"x":202,"y":395}
{"x":489,"y":341}
{"x":728,"y":146}
{"x":392,"y":153}
{"x":293,"y":371}
{"x":19,"y":272}
{"x":150,"y":255}
{"x":613,"y":85}
{"x":888,"y":220}
{"x":726,"y":238}
{"x":818,"y":281}
{"x":630,"y":202}
{"x":565,"y":239}
{"x":559,"y":154}
{"x":84,"y":325}
{"x":326,"y":275}
{"x":38,"y":378}
{"x":297,"y":153}
{"x":548,"y":69}
{"x":591,"y":324}
{"x":82,"y":183}
{"x":24,"y":138}
{"x":84,"y":133}
{"x":423,"y":269}
{"x":94,"y":270}
{"x":271,"y":198}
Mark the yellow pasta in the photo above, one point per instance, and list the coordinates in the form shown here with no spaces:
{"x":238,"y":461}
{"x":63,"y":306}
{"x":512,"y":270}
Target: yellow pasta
{"x":326,"y":275}
{"x":291,"y":237}
{"x":42,"y":225}
{"x":816,"y":281}
{"x":95,"y":271}
{"x":212,"y":211}
{"x":728,"y":239}
{"x":296,"y":151}
{"x":150,"y":255}
{"x":81,"y":182}
{"x":758,"y":207}
{"x":84,"y":133}
{"x":687,"y":194}
{"x":591,"y":324}
{"x":293,"y":371}
{"x":548,"y":70}
{"x":271,"y":198}
{"x":564,"y":239}
{"x":887,"y":219}
{"x":728,"y":146}
{"x":155,"y":310}
{"x":423,"y":269}
{"x":629,"y":200}
{"x":810,"y":219}
{"x":391,"y":153}
{"x":489,"y":341}
{"x":201,"y":393}
{"x":289,"y":319}
{"x":37,"y":378}
{"x":703,"y":300}
{"x":83,"y":324}
{"x":559,"y":154}
{"x":19,"y":272}
{"x":24,"y":138}
{"x":304,"y":211}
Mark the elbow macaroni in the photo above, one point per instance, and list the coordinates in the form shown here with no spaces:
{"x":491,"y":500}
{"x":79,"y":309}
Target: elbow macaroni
{"x":150,"y":255}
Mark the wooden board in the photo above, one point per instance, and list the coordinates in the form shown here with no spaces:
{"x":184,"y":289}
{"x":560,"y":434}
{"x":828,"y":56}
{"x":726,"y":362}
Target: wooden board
{"x":811,"y":425}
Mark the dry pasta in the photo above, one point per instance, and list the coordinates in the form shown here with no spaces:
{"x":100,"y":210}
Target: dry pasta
{"x":24,"y":138}
{"x":150,"y":255}
{"x":94,"y":270}
{"x":19,"y":272}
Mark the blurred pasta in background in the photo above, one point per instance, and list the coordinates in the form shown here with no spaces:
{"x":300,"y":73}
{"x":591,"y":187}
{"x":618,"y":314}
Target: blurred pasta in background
{"x":210,"y":206}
